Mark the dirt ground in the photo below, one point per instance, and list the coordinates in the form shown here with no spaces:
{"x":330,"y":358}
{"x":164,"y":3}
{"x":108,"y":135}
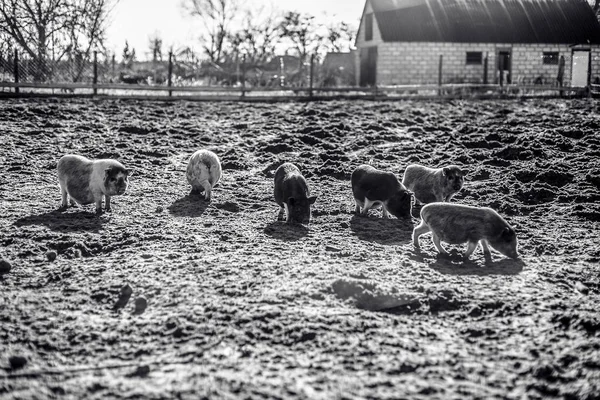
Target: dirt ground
{"x":242,"y":306}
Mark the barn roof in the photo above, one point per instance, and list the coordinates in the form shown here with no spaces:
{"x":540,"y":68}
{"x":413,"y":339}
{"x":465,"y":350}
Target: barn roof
{"x":488,"y":21}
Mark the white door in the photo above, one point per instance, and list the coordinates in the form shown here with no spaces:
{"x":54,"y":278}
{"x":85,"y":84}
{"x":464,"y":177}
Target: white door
{"x":581,"y":62}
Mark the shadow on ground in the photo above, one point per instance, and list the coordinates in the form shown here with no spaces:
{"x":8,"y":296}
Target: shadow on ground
{"x":383,"y":231}
{"x":284,"y":231}
{"x":64,"y":221}
{"x":454,"y":264}
{"x":190,"y":205}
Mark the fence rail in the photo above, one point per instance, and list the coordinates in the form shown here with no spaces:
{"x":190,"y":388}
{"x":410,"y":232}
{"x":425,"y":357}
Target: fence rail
{"x":94,"y":78}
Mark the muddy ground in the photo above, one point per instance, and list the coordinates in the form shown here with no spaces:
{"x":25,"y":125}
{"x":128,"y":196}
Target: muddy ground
{"x":242,"y":306}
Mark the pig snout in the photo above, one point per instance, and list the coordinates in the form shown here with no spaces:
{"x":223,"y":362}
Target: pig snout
{"x":299,"y":210}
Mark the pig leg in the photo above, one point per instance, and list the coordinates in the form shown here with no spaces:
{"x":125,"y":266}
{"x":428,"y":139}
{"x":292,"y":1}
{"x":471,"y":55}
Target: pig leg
{"x":471,"y":246}
{"x":73,"y":203}
{"x":195,"y":190}
{"x":280,"y":215}
{"x":384,"y":212}
{"x":486,"y":249}
{"x":438,"y":245}
{"x":357,"y":208}
{"x":207,"y":189}
{"x":107,"y":197}
{"x":418,"y":231}
{"x":99,"y":206}
{"x":63,"y":193}
{"x":367,"y":206}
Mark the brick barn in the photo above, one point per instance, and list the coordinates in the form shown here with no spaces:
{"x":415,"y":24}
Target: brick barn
{"x":399,"y":42}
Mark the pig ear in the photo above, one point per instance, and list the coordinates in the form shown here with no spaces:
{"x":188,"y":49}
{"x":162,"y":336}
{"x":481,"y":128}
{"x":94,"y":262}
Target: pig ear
{"x":507,"y":234}
{"x":445,"y":171}
{"x":291,"y":201}
{"x":107,"y":171}
{"x":311,"y":200}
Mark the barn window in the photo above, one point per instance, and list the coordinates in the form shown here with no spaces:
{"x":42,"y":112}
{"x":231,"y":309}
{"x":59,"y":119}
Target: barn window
{"x":474,"y":57}
{"x":368,"y":27}
{"x":550,"y":57}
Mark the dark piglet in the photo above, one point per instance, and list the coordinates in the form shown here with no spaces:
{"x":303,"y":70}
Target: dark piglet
{"x":373,"y":188}
{"x":292,"y":194}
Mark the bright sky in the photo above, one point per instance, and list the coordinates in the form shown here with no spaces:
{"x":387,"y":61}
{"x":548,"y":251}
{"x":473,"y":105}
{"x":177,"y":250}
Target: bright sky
{"x":137,"y":20}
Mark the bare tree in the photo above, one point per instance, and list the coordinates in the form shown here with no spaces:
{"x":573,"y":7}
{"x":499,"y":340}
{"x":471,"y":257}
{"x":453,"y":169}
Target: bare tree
{"x":44,"y":28}
{"x":216,"y":16}
{"x":340,"y":37}
{"x":257,"y":38}
{"x":304,"y":34}
{"x":128,"y":56}
{"x":86,"y":31}
{"x":155,"y":44}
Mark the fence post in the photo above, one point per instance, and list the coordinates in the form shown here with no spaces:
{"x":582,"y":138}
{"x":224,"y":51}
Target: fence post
{"x":440,"y":74}
{"x":282,"y":82}
{"x":16,"y":71}
{"x":485,"y":69}
{"x":170,"y":73}
{"x":589,"y":75}
{"x":95,"y":72}
{"x":244,"y":75}
{"x":501,"y":67}
{"x":311,"y":78}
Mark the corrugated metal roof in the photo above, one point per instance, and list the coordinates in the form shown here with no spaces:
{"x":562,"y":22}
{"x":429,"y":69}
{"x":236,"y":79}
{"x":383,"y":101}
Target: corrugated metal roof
{"x":488,"y":21}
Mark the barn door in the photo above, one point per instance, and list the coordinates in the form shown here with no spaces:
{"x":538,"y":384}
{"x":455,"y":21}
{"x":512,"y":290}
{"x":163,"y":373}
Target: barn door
{"x":580,"y":70}
{"x":504,"y":66}
{"x":368,"y":66}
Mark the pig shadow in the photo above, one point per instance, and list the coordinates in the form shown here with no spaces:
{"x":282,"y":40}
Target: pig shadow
{"x":454,"y":264}
{"x":190,"y":205}
{"x":65,"y":221}
{"x":383,"y":231}
{"x":286,"y":232}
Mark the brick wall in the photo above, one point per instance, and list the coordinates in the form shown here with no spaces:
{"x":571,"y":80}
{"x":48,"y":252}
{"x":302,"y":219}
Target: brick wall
{"x":595,"y":64}
{"x":417,"y":62}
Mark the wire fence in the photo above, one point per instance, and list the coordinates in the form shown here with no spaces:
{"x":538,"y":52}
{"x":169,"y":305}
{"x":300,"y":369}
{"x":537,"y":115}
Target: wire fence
{"x":183,"y":70}
{"x":183,"y":75}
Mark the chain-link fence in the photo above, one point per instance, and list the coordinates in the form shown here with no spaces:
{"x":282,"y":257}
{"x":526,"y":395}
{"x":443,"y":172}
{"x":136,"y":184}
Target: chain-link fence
{"x":184,"y":70}
{"x":183,"y":74}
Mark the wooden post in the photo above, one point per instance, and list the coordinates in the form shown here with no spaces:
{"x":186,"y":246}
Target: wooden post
{"x":312,"y":73}
{"x":501,"y":67}
{"x":281,"y":72}
{"x":170,"y":73}
{"x":589,"y":75}
{"x":244,"y":76}
{"x":485,"y":69}
{"x":561,"y":74}
{"x":16,"y":70}
{"x":95,"y":72}
{"x":440,"y":74}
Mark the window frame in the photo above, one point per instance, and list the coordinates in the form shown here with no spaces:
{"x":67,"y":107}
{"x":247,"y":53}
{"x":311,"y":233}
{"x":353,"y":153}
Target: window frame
{"x":550,"y":57}
{"x":470,"y":61}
